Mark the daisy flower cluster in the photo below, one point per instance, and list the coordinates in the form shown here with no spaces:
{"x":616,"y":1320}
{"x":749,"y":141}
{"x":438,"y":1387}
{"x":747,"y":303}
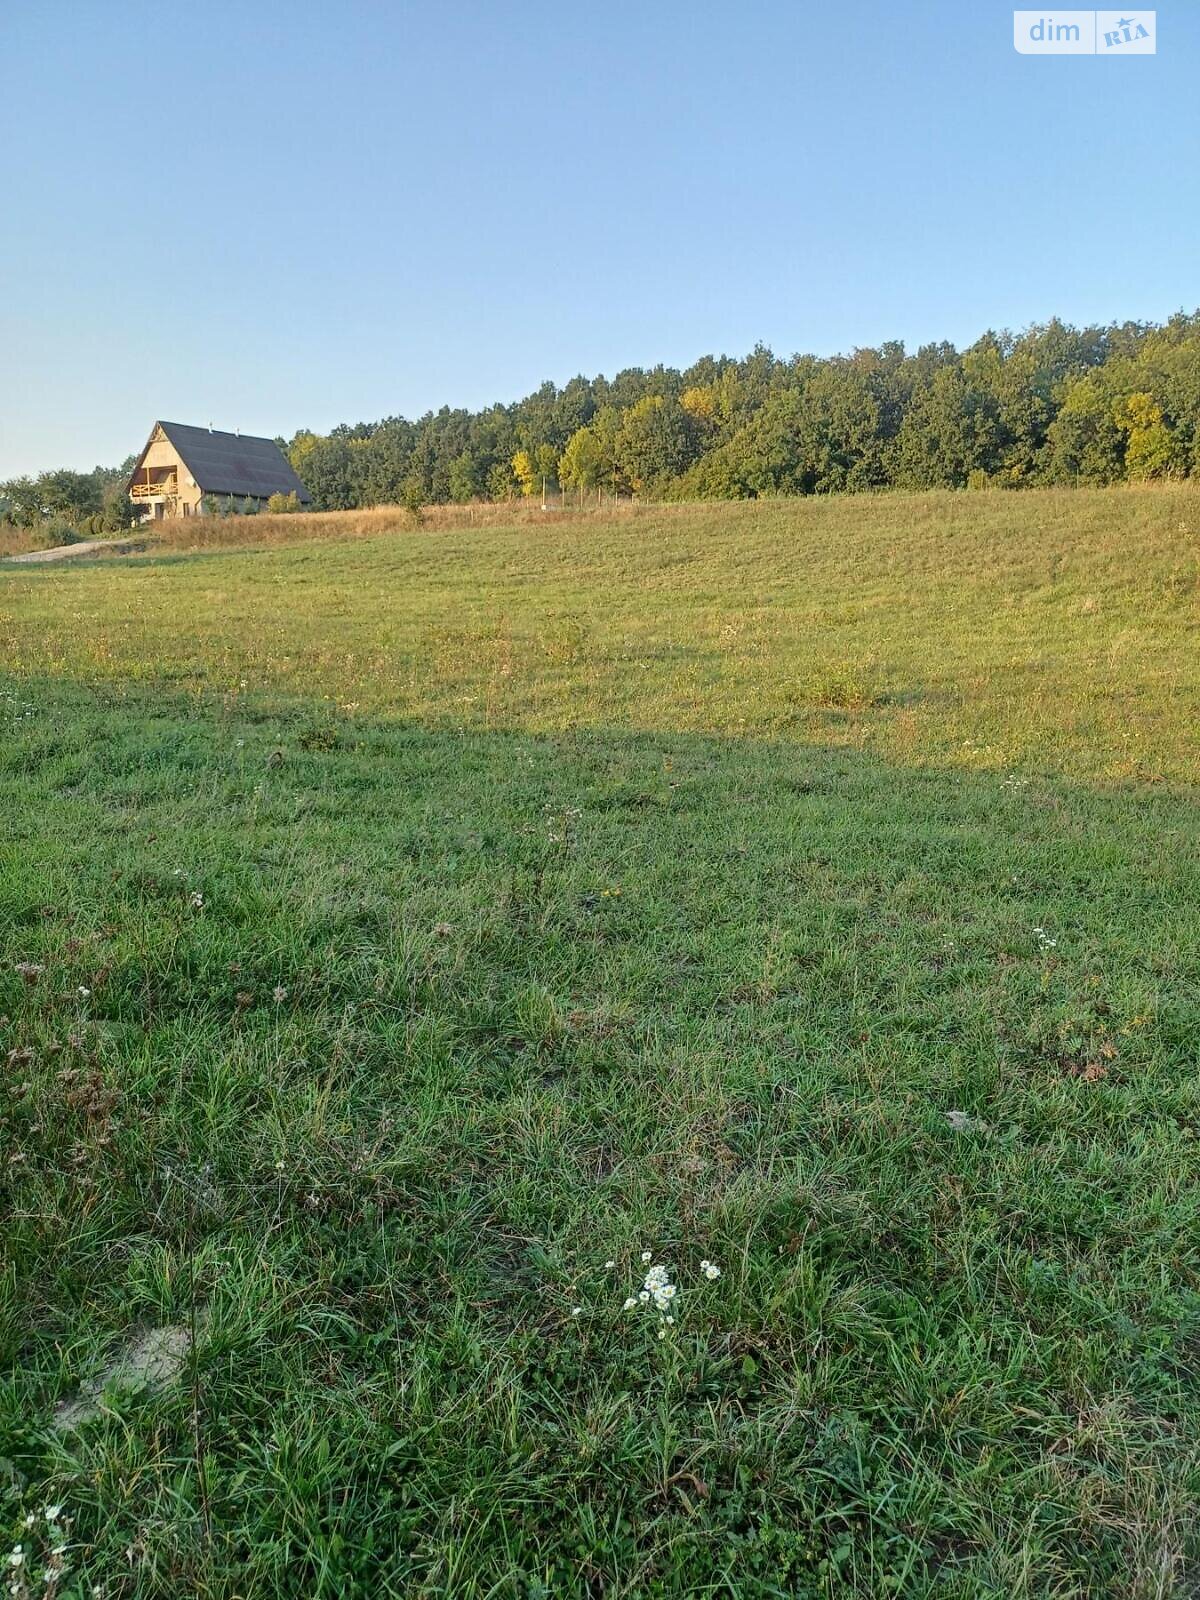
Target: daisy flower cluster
{"x":658,"y":1290}
{"x":560,"y":826}
{"x":37,"y":1563}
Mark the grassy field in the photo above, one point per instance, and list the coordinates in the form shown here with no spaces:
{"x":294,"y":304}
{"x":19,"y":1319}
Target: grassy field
{"x":405,"y":930}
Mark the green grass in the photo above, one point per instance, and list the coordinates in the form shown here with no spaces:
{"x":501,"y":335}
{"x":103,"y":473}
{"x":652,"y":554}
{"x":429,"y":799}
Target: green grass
{"x":577,"y":891}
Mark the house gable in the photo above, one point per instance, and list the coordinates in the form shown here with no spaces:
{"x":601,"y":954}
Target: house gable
{"x":158,"y":451}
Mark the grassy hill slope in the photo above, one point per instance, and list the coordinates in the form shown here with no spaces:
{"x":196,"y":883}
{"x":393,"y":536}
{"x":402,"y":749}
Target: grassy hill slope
{"x":406,"y":932}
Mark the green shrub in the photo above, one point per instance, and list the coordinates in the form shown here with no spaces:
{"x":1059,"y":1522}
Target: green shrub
{"x":319,"y":736}
{"x":57,"y":530}
{"x":843,"y":686}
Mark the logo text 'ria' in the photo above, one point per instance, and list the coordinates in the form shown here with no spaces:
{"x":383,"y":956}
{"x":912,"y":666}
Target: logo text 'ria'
{"x":1121,"y":33}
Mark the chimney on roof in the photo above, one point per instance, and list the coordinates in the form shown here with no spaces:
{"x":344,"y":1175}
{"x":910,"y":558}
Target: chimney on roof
{"x":237,"y":433}
{"x":210,"y":427}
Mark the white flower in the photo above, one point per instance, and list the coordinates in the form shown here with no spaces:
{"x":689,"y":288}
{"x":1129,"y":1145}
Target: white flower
{"x":608,"y":1264}
{"x":52,"y":1513}
{"x":84,"y":994}
{"x":197,"y":901}
{"x":644,"y":1296}
{"x":711,"y":1270}
{"x":630,"y":1304}
{"x":704,"y":1266}
{"x":647,"y":1255}
{"x":671,"y":1321}
{"x":30,"y":1520}
{"x":280,"y":994}
{"x":576,"y":1311}
{"x":662,"y":1333}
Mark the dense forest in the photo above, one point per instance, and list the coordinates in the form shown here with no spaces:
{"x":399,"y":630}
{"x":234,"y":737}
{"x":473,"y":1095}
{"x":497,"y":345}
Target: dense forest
{"x":1054,"y":404}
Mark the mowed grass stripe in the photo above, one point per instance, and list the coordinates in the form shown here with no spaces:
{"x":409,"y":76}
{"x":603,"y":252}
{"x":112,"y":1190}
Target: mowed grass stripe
{"x":1049,"y":629}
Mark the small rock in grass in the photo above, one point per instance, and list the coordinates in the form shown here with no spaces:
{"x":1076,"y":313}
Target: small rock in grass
{"x":150,"y":1361}
{"x":963,"y":1122}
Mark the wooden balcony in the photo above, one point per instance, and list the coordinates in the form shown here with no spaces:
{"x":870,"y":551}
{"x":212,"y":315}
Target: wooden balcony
{"x":165,"y":486}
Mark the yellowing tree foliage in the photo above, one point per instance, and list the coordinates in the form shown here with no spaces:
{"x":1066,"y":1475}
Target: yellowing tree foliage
{"x":1150,"y":449}
{"x":699,"y":402}
{"x":524,"y":471}
{"x":579,"y":466}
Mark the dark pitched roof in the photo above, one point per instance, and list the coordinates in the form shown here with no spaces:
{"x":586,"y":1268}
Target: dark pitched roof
{"x":233,"y":463}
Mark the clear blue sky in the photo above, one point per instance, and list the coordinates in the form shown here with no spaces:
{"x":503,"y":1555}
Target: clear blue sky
{"x":272,"y":216}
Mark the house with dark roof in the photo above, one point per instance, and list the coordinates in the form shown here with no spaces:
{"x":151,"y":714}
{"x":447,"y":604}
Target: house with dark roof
{"x":183,"y":466}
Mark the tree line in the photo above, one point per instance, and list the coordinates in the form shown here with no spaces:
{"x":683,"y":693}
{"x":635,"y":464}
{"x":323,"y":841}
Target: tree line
{"x":1054,"y":404}
{"x":69,"y":502}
